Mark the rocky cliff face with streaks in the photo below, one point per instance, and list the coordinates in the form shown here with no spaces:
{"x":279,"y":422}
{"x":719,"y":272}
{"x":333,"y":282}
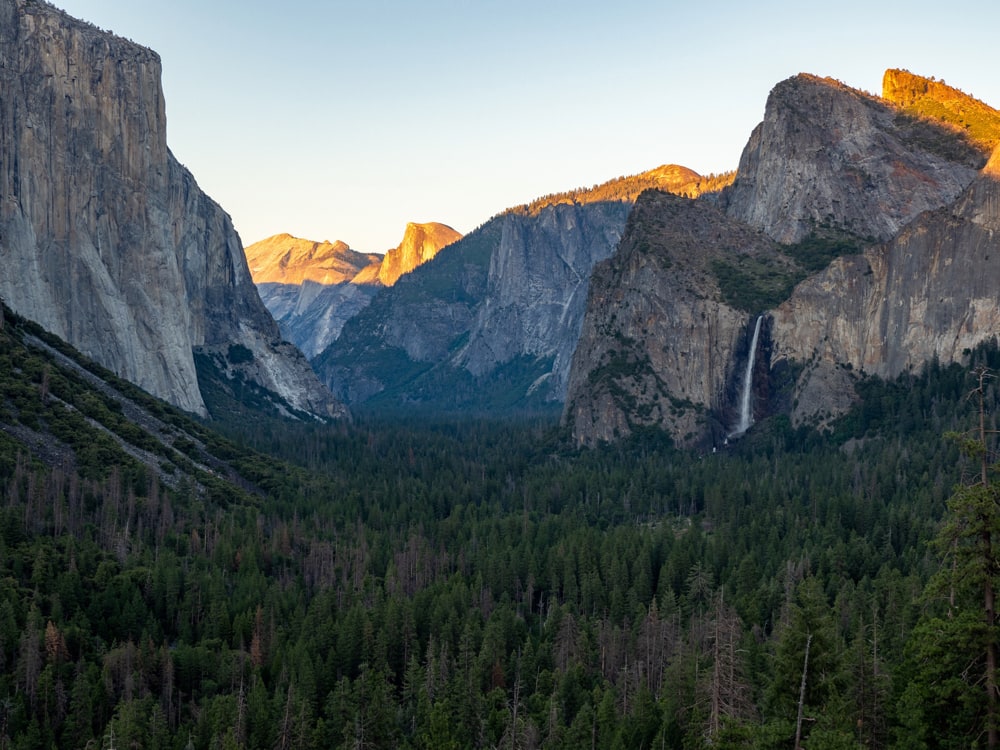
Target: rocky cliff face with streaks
{"x":536,"y":289}
{"x":929,"y":293}
{"x":105,"y":238}
{"x":863,"y":231}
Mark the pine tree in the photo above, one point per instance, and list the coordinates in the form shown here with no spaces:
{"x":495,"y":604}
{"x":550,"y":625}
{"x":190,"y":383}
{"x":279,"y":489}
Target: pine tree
{"x":952,"y":696}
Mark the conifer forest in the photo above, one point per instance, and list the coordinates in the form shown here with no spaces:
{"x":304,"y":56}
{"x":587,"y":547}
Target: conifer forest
{"x":390,"y":583}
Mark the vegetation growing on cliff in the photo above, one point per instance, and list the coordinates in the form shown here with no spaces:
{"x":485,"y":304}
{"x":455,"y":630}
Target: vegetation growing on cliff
{"x":757,"y":283}
{"x":930,"y":100}
{"x":753,"y":284}
{"x":822,"y":245}
{"x":670,"y":178}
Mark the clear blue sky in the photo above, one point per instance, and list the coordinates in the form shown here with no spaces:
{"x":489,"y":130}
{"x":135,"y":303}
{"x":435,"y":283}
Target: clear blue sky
{"x":345,"y":120}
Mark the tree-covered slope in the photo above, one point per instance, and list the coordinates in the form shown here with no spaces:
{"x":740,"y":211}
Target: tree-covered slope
{"x":467,"y":584}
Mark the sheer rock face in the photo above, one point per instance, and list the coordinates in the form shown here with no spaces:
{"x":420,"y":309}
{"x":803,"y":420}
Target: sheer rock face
{"x":105,"y":239}
{"x":421,"y":242}
{"x":827,"y":154}
{"x":931,"y":292}
{"x":658,"y":346}
{"x":536,"y":288}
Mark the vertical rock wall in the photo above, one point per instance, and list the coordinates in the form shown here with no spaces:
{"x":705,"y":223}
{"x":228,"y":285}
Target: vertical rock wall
{"x":105,"y":239}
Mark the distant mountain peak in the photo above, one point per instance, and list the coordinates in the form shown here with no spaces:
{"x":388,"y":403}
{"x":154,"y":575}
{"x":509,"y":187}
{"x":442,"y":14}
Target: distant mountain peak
{"x":421,"y":242}
{"x":285,"y":259}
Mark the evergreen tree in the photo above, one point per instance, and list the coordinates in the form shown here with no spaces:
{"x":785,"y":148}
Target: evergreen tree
{"x":952,"y":694}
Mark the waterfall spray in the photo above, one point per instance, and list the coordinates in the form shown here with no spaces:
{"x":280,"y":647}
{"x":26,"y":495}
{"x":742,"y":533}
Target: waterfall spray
{"x":746,"y":398}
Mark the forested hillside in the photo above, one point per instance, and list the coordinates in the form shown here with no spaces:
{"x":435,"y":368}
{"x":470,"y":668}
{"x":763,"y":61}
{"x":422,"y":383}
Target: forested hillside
{"x":474,"y":584}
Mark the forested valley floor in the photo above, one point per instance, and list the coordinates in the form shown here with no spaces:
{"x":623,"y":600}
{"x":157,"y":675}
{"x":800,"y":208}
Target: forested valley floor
{"x":476,"y":584}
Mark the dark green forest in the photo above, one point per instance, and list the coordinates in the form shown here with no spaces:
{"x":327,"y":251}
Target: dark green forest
{"x":468,"y":584}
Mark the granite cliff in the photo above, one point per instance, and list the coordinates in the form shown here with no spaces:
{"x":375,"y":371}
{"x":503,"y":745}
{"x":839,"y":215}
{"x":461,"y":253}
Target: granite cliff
{"x":929,"y":293}
{"x":491,"y":323}
{"x":827,"y":154}
{"x":421,"y":242}
{"x":658,"y":340}
{"x":874,"y":252}
{"x":105,"y":238}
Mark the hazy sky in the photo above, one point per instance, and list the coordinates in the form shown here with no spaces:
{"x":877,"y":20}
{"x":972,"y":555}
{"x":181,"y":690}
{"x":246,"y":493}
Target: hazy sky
{"x":345,"y":120}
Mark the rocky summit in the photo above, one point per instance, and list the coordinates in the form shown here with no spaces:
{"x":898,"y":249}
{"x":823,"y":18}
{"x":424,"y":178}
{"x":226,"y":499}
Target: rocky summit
{"x":105,"y":239}
{"x":421,"y":242}
{"x":284,"y":259}
{"x":827,"y":154}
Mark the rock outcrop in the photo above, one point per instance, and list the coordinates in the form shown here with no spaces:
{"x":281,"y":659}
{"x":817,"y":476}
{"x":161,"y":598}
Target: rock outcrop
{"x":106,"y":240}
{"x":421,"y":242}
{"x":828,"y":155}
{"x":972,"y":121}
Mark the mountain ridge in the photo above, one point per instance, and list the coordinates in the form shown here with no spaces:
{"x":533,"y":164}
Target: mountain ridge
{"x":284,"y":259}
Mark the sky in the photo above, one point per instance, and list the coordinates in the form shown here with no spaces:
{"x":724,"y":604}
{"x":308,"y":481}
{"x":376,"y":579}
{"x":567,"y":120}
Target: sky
{"x":344,"y":120}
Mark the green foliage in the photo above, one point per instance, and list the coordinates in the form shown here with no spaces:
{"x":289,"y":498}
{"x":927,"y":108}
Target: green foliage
{"x":239,"y":354}
{"x":230,"y":395}
{"x":626,"y":189}
{"x":753,"y":284}
{"x":939,"y":706}
{"x":918,"y":132}
{"x":821,"y":246}
{"x":953,"y":658}
{"x":469,"y":584}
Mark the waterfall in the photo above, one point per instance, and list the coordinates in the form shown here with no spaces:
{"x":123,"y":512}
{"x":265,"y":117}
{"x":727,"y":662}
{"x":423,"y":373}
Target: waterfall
{"x":746,"y":398}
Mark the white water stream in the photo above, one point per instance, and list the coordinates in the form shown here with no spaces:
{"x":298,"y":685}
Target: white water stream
{"x":746,"y":398}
